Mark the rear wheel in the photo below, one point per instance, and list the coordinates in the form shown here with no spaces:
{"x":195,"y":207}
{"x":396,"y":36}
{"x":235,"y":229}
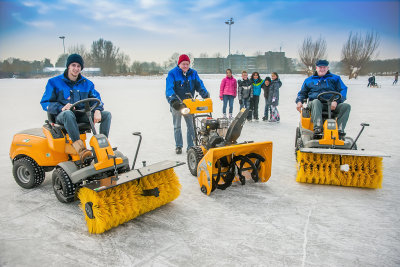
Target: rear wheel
{"x":63,"y":187}
{"x":194,"y":155}
{"x":27,"y":173}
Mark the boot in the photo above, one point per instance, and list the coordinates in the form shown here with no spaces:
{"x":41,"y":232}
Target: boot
{"x":81,"y":149}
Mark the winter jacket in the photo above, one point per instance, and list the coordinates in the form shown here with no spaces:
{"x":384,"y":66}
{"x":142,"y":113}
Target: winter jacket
{"x":178,"y":85}
{"x":61,"y":91}
{"x":273,"y":96}
{"x":266,"y":90}
{"x":314,"y":85}
{"x":257,"y":86}
{"x":245,"y":89}
{"x":228,"y":87}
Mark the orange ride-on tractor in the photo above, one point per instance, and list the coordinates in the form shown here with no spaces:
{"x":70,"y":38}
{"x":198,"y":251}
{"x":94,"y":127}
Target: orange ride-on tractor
{"x":328,"y":159}
{"x":217,"y":159}
{"x":110,"y":192}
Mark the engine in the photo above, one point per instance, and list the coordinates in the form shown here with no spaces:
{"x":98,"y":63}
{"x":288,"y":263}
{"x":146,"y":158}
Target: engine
{"x":212,"y":132}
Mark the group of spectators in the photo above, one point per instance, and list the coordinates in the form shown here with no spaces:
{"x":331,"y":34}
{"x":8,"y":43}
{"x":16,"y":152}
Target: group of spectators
{"x":248,"y":92}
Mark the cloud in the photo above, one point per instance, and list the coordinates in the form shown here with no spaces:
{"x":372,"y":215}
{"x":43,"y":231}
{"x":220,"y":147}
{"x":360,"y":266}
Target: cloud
{"x":33,"y":23}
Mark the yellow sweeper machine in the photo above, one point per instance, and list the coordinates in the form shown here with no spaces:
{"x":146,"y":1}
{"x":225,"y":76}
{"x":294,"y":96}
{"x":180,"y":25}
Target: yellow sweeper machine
{"x":217,"y":159}
{"x":110,"y":192}
{"x":327,"y":159}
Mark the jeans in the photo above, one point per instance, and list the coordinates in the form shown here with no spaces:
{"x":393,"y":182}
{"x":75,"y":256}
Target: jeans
{"x":267,"y":107}
{"x":176,"y":119}
{"x":342,"y":109}
{"x":70,"y":121}
{"x":228,"y":98}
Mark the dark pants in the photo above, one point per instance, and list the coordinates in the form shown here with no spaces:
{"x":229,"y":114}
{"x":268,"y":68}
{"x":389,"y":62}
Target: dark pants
{"x":342,"y":109}
{"x":254,"y":106}
{"x":70,"y":122}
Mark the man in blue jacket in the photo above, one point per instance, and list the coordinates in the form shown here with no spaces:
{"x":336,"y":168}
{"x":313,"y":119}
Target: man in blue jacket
{"x":64,"y":90}
{"x":180,"y":81}
{"x":324,"y":81}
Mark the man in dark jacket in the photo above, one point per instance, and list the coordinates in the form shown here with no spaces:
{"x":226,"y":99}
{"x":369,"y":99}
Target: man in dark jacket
{"x":180,"y":81}
{"x":64,"y":90}
{"x":324,"y":81}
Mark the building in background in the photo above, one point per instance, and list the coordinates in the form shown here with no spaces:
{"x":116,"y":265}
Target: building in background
{"x":267,"y":63}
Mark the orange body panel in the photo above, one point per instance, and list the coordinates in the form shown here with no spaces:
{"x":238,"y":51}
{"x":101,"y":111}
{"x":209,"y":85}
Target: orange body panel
{"x":45,"y":150}
{"x":103,"y":161}
{"x":331,"y":137}
{"x":199,"y":105}
{"x":306,"y":122}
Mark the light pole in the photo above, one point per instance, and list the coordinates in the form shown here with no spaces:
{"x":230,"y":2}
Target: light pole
{"x":63,"y":37}
{"x":229,"y":22}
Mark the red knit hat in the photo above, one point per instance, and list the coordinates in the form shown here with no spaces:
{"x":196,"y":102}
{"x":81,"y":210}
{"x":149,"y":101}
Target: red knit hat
{"x":183,"y":57}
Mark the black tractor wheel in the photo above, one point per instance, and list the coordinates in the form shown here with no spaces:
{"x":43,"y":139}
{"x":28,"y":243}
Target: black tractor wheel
{"x":27,"y":173}
{"x":194,"y":155}
{"x":63,"y":186}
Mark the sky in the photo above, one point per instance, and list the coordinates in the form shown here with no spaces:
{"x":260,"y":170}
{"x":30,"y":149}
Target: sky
{"x":152,"y":30}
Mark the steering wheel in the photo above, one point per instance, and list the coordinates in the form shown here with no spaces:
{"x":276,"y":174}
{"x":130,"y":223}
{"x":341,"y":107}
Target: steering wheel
{"x":87,"y":106}
{"x":335,"y":96}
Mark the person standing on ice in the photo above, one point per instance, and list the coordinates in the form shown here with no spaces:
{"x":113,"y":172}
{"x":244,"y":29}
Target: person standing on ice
{"x":182,"y":81}
{"x":257,"y":82}
{"x":245,"y":92}
{"x":64,"y":90}
{"x":266,"y":88}
{"x":227,"y":92}
{"x":274,"y":97}
{"x":324,"y":81}
{"x":396,"y":78}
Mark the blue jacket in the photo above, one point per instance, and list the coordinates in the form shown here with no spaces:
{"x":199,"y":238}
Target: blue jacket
{"x":314,"y":85}
{"x":60,"y":91}
{"x":257,"y":86}
{"x":179,"y":84}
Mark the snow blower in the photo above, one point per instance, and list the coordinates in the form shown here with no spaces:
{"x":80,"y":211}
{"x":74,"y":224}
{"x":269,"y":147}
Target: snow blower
{"x":217,"y":159}
{"x":111,"y":193}
{"x":329,"y":159}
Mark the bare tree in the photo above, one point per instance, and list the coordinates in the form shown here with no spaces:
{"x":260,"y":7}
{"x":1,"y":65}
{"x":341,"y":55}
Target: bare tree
{"x":123,"y":63}
{"x":258,"y":53}
{"x":104,"y":55}
{"x":358,"y":51}
{"x":217,"y":55}
{"x":81,"y":50}
{"x":311,"y":51}
{"x":203,"y":55}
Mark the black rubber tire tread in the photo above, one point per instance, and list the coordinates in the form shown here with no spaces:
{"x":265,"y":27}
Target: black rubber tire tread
{"x":68,"y":188}
{"x":198,"y":154}
{"x":38,"y":173}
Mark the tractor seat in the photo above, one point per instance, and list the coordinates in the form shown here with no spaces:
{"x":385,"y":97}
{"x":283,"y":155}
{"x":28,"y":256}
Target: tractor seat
{"x":83,"y":127}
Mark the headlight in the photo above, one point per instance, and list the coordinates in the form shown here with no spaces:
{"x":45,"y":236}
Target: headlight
{"x":185,"y":111}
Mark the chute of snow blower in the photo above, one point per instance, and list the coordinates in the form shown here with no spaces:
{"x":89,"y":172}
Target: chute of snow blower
{"x":217,"y":159}
{"x":331,"y":159}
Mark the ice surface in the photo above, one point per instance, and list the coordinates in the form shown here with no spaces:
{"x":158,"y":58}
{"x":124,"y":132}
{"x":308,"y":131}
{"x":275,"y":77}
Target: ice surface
{"x":278,"y":223}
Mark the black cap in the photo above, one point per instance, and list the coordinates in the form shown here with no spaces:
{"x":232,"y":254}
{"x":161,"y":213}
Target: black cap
{"x":75,"y":58}
{"x":322,"y":62}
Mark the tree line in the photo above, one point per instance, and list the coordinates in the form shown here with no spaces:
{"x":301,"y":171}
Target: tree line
{"x":356,"y":58}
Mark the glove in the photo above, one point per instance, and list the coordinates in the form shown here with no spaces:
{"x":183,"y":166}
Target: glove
{"x":240,"y":102}
{"x":176,"y":104}
{"x":273,"y":100}
{"x":221,"y":98}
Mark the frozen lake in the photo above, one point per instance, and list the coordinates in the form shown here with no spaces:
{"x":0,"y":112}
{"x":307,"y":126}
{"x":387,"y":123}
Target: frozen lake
{"x":278,"y":223}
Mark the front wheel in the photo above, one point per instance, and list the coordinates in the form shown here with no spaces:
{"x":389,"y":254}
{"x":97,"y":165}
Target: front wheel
{"x":194,"y":155}
{"x":63,"y":187}
{"x":27,"y":173}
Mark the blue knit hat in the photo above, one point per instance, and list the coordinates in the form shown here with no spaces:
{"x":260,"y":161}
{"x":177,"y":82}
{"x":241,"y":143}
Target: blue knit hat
{"x":75,"y":58}
{"x":322,"y":62}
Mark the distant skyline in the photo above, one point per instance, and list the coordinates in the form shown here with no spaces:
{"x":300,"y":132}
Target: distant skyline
{"x":150,"y":30}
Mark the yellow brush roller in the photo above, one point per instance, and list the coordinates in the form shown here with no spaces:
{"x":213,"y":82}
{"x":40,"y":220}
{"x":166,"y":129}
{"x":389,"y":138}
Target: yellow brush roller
{"x":344,"y":170}
{"x":117,"y":204}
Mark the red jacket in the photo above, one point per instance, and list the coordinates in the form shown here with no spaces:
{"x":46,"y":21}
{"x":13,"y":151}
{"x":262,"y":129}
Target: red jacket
{"x":228,"y":87}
